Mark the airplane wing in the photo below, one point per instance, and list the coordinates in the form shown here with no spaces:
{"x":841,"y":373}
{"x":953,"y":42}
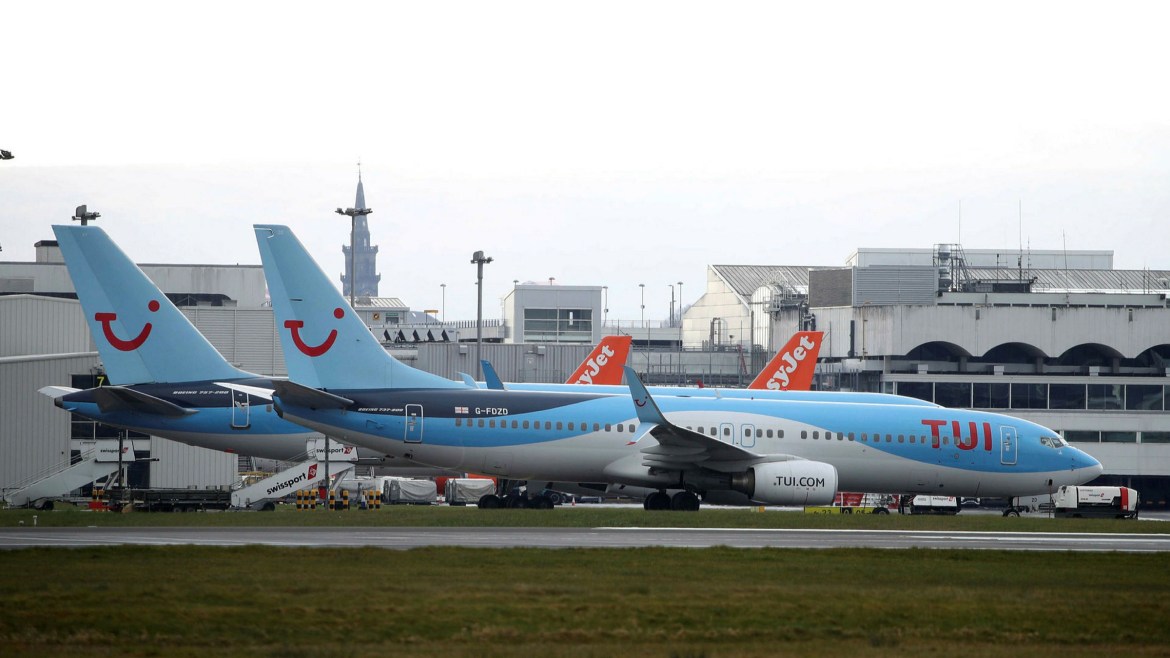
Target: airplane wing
{"x":256,"y":391}
{"x":303,"y":396}
{"x":679,"y":448}
{"x":120,"y":398}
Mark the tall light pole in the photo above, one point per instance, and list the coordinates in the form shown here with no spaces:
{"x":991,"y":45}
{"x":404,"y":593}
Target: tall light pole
{"x":671,"y":316}
{"x":604,"y":306}
{"x":479,"y":260}
{"x":642,"y":286}
{"x":353,"y":214}
{"x":681,"y":370}
{"x":443,"y":308}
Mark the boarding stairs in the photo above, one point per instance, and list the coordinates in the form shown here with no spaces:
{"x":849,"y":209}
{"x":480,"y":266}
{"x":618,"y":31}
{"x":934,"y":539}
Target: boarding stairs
{"x":99,"y":459}
{"x":303,"y":475}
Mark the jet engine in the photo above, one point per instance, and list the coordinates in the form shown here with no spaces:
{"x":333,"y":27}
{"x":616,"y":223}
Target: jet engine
{"x":796,"y":482}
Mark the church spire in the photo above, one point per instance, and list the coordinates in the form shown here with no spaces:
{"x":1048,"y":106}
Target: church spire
{"x":364,"y":254}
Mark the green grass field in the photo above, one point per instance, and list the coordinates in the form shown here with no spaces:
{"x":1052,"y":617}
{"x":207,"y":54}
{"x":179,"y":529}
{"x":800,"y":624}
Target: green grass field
{"x":262,"y":601}
{"x":582,"y":516}
{"x":288,"y":603}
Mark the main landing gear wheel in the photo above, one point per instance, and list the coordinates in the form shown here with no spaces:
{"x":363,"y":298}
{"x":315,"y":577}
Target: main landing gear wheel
{"x":490,"y":501}
{"x":657,"y":501}
{"x":516,"y":502}
{"x":542,"y":502}
{"x":684,"y":501}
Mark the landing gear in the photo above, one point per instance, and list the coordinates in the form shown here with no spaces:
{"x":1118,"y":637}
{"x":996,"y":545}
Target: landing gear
{"x":542,"y":502}
{"x":516,"y":501}
{"x":656,"y":501}
{"x":684,"y":501}
{"x":490,"y":501}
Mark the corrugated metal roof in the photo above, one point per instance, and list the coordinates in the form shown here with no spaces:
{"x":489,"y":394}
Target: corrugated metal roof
{"x":1103,"y":281}
{"x":381,"y":302}
{"x":745,"y":279}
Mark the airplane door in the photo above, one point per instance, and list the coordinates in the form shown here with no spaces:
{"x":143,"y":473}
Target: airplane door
{"x":1007,"y":445}
{"x":727,"y":433}
{"x":747,"y":436}
{"x":241,"y":411}
{"x":414,"y":424}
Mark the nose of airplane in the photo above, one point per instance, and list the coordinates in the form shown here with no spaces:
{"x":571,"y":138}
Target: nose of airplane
{"x":1083,"y":461}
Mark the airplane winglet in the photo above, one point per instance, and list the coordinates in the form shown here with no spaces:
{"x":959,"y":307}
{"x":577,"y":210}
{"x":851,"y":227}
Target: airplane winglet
{"x":649,"y":415}
{"x":491,"y":376}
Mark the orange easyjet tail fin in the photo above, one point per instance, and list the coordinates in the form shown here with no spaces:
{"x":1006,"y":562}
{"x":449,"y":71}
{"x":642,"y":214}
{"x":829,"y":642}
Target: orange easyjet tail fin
{"x":604,"y":364}
{"x":792,"y":367}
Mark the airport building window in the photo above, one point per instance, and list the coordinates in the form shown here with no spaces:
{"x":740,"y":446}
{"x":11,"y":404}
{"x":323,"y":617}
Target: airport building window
{"x":1029,"y":396}
{"x":990,"y":396}
{"x":1118,"y":437}
{"x":1106,"y":396}
{"x":1066,"y":396}
{"x":1143,"y":397}
{"x":920,"y":390}
{"x":558,"y":325}
{"x":1155,"y":437}
{"x":953,"y":394}
{"x":1082,"y":436}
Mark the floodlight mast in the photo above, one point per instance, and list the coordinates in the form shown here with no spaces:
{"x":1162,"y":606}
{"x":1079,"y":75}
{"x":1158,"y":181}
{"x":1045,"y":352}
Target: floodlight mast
{"x":479,"y":260}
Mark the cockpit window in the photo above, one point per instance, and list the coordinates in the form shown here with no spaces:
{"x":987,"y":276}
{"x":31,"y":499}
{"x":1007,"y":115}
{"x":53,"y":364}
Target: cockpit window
{"x":1052,"y":442}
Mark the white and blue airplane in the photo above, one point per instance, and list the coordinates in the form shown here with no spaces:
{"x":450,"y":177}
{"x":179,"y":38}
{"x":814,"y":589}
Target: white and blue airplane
{"x":161,"y":373}
{"x":341,"y":382}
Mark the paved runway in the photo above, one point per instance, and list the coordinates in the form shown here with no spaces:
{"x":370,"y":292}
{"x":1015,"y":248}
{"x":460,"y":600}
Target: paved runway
{"x":406,"y":538}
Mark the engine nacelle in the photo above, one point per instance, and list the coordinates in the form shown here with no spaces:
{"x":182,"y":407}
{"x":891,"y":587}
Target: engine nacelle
{"x":796,"y":482}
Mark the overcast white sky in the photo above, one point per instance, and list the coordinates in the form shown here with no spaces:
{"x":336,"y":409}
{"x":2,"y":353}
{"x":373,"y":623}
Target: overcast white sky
{"x":601,"y":143}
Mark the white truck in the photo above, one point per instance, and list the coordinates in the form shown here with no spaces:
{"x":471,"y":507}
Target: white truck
{"x":934,"y":505}
{"x":1108,"y":502}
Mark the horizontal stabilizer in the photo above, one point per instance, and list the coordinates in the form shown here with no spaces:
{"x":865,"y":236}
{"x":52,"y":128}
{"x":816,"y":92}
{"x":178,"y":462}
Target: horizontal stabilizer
{"x":119,"y":398}
{"x":468,"y":379}
{"x":255,"y":391}
{"x":57,"y":391}
{"x":303,"y":396}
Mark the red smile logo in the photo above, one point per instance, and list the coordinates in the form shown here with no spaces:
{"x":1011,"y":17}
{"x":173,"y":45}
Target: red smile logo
{"x":118,"y":343}
{"x":294,"y":327}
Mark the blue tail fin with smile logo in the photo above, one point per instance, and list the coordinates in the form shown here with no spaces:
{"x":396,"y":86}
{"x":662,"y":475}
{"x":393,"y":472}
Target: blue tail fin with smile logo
{"x":140,"y":335}
{"x":325,"y":343}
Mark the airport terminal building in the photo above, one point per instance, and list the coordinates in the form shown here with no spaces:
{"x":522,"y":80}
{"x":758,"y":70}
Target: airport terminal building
{"x":1059,"y":338}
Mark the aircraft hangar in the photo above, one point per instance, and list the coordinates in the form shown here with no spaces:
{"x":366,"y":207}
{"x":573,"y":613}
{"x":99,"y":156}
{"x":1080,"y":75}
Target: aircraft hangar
{"x":1060,"y":338}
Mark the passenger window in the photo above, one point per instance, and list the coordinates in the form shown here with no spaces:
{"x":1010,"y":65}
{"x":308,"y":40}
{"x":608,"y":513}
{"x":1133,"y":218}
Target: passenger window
{"x":816,"y":434}
{"x":458,"y":422}
{"x":548,"y":425}
{"x":726,"y":431}
{"x":559,"y":425}
{"x":525,"y":424}
{"x":570,"y":427}
{"x":804,"y":434}
{"x":889,"y":438}
{"x":481,"y":422}
{"x":901,"y":438}
{"x":851,"y":436}
{"x":946,"y":440}
{"x":913,"y":439}
{"x":779,"y":434}
{"x":607,"y":427}
{"x":865,"y":437}
{"x":596,"y":427}
{"x":492,"y":423}
{"x":621,"y":427}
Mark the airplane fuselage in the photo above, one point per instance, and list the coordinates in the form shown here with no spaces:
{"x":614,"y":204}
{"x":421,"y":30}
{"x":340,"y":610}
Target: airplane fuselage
{"x":587,"y":438}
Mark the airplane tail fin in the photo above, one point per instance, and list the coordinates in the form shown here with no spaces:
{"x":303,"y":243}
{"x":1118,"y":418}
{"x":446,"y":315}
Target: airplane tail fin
{"x":141,"y":336}
{"x":604,"y":364}
{"x":793,"y":366}
{"x":325,"y":343}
